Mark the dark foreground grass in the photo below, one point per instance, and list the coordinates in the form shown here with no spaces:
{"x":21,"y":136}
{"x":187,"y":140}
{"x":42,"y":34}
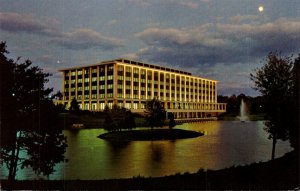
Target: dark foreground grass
{"x":148,"y":134}
{"x":279,"y":174}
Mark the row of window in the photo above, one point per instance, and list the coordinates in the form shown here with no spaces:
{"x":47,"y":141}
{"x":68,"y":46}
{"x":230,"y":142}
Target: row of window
{"x":136,"y":96}
{"x":142,"y":104}
{"x":145,"y":74}
{"x":136,"y":85}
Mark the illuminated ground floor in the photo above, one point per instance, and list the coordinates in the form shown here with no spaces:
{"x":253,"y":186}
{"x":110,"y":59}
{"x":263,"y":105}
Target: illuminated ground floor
{"x":181,"y":110}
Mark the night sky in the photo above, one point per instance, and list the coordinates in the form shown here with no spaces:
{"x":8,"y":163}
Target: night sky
{"x":223,"y":40}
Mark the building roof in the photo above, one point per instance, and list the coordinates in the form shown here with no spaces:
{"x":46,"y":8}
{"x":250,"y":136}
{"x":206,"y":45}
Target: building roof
{"x":137,"y":63}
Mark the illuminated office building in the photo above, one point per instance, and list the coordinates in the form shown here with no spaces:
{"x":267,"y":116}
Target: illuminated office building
{"x":130,"y":84}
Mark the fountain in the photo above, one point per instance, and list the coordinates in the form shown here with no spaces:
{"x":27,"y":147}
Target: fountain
{"x":243,"y":112}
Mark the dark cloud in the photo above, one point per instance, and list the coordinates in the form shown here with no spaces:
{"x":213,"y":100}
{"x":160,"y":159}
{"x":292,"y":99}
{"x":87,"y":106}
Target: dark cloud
{"x":76,"y":40}
{"x":228,"y":52}
{"x":219,"y":43}
{"x":181,"y":3}
{"x":86,"y":38}
{"x":14,"y":22}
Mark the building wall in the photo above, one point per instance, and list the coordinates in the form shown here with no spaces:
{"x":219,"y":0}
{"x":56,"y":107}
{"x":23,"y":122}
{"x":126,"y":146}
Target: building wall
{"x":130,"y":84}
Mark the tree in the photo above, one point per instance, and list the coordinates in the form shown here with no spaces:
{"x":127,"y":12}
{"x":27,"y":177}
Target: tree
{"x":74,"y":106}
{"x":295,"y":107}
{"x":275,"y":82}
{"x":118,"y":118}
{"x":155,"y":113}
{"x":172,"y":121}
{"x":29,"y":119}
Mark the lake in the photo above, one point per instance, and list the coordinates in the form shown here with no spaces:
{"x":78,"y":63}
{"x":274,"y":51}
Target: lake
{"x":225,"y":144}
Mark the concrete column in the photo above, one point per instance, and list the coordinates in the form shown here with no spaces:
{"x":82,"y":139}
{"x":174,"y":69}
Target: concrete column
{"x":105,"y":80}
{"x":98,"y":89}
{"x":115,"y":83}
{"x":152,"y":84}
{"x":124,"y":84}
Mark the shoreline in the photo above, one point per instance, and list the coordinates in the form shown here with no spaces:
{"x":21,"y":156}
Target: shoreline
{"x":281,"y":173}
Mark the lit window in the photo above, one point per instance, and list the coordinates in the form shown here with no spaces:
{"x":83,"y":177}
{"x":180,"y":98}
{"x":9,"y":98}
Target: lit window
{"x":102,"y":78}
{"x":110,"y":77}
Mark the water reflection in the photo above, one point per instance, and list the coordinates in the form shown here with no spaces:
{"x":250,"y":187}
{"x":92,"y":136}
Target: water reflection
{"x":116,"y":151}
{"x":156,"y":153}
{"x":225,"y":143}
{"x":159,"y":157}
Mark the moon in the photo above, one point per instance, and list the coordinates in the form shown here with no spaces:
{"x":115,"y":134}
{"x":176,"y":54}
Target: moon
{"x":261,"y":8}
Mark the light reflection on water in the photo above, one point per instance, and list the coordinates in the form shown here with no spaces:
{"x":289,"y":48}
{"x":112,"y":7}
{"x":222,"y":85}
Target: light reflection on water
{"x":225,"y":143}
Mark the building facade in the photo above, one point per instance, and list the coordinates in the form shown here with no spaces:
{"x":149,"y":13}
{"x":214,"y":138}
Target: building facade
{"x":130,"y":84}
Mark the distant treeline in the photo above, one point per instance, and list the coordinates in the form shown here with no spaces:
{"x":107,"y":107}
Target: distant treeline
{"x":255,"y":105}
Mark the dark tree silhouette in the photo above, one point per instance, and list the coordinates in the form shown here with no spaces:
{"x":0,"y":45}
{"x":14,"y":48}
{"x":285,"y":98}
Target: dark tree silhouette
{"x":118,"y":118}
{"x":275,"y":82}
{"x":155,"y":113}
{"x":294,"y":127}
{"x":58,"y":95}
{"x":74,"y":106}
{"x":172,"y":122}
{"x":28,"y":119}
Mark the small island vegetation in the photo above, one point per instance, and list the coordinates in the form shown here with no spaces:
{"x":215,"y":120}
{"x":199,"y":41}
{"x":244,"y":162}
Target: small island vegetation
{"x":150,"y":135}
{"x":120,"y":122}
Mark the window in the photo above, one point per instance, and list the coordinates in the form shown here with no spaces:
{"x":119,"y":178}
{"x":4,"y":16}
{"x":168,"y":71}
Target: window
{"x":110,"y":68}
{"x":110,"y":77}
{"x":102,"y":78}
{"x":102,"y":69}
{"x":102,"y":87}
{"x":110,"y":86}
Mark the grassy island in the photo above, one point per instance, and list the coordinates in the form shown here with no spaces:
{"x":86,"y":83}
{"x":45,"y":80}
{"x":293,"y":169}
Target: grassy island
{"x":148,"y":135}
